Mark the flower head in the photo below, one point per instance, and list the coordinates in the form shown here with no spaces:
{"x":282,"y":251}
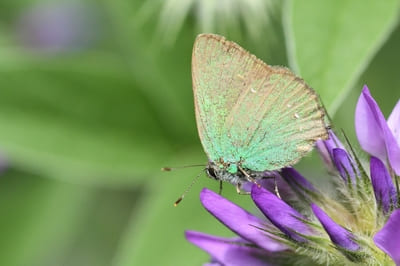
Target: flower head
{"x":358,"y":225}
{"x":55,"y":27}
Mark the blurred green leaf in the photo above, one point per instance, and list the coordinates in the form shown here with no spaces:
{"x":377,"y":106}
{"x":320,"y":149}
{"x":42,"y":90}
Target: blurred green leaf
{"x":46,"y":222}
{"x":106,"y":116}
{"x":164,"y":73}
{"x":85,"y":125}
{"x":232,"y":18}
{"x":382,"y":76}
{"x":156,"y":233}
{"x":383,"y":80}
{"x":330,"y":43}
{"x":36,"y":216}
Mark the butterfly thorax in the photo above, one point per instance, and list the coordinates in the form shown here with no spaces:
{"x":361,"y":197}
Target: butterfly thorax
{"x":232,"y":172}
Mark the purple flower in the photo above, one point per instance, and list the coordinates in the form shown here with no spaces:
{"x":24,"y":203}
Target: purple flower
{"x":325,"y":148}
{"x":271,"y":181}
{"x":316,"y":227}
{"x":336,"y":158}
{"x":230,"y":251}
{"x":376,"y":136}
{"x":344,"y":165}
{"x":388,"y":238}
{"x":385,"y":192}
{"x":296,"y":181}
{"x":58,"y":27}
{"x":240,"y":221}
{"x":339,"y":235}
{"x":263,"y":241}
{"x":284,"y":217}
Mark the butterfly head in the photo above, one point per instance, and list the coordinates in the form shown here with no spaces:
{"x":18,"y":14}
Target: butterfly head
{"x":213,"y":170}
{"x":223,"y":171}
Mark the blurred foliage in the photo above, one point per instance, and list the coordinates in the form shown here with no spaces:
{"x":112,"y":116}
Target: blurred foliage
{"x":335,"y":41}
{"x":96,"y":97}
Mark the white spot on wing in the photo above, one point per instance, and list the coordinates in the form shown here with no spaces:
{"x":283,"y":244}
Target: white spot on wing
{"x":303,"y":148}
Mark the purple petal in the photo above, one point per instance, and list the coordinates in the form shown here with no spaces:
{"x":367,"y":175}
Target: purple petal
{"x":388,"y":238}
{"x":344,"y":165}
{"x":296,"y":180}
{"x":394,"y":122}
{"x":267,"y":181}
{"x":337,"y":234}
{"x":273,"y":180}
{"x":240,"y":221}
{"x":324,"y":153}
{"x":368,"y":125}
{"x":287,"y":219}
{"x":246,"y":186}
{"x":373,"y":132}
{"x":304,"y":189}
{"x":228,"y":251}
{"x":385,"y":192}
{"x":333,"y":142}
{"x":325,"y":148}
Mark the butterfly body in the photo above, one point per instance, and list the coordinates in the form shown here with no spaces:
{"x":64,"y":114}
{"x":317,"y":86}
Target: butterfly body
{"x":229,"y":172}
{"x":252,"y":118}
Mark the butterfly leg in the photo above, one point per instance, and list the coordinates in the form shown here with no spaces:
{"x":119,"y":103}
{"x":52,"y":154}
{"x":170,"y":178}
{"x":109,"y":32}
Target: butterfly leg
{"x":220,"y":187}
{"x":239,"y":190}
{"x":248,"y":177}
{"x":276,"y":188}
{"x":273,"y":175}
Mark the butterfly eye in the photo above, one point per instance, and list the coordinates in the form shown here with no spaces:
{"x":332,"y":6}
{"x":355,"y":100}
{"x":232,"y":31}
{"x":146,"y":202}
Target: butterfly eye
{"x":211,"y":173}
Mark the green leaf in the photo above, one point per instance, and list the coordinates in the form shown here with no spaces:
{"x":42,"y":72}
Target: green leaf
{"x":383,"y":81}
{"x":330,"y":43}
{"x":155,"y":235}
{"x":47,"y":222}
{"x":110,"y":115}
{"x":35,"y":213}
{"x":163,"y":73}
{"x":100,"y":116}
{"x":66,"y":121}
{"x":382,"y":75}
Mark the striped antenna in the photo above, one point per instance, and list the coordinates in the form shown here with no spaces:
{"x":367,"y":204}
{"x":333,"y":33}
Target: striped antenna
{"x":169,"y":169}
{"x":188,"y":188}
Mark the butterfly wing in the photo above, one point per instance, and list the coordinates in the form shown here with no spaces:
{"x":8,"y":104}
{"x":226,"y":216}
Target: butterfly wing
{"x":246,"y":110}
{"x":216,"y":91}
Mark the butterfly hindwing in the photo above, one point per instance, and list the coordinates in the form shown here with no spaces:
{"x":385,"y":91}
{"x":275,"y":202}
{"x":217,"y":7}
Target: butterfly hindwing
{"x":246,"y":110}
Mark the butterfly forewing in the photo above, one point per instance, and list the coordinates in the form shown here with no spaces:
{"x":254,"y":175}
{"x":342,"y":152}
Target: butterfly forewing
{"x":246,"y":110}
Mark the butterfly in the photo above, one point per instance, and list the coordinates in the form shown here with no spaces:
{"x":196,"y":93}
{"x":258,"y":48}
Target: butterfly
{"x":252,"y":118}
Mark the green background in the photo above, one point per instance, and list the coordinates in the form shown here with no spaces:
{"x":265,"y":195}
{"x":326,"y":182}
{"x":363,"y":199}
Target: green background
{"x":95,"y":97}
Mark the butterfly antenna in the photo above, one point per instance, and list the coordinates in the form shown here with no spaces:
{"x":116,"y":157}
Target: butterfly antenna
{"x":188,"y":189}
{"x":168,"y":169}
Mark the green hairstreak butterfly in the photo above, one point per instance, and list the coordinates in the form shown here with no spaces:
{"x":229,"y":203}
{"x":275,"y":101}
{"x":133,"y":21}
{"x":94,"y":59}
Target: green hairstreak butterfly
{"x":251,"y":117}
